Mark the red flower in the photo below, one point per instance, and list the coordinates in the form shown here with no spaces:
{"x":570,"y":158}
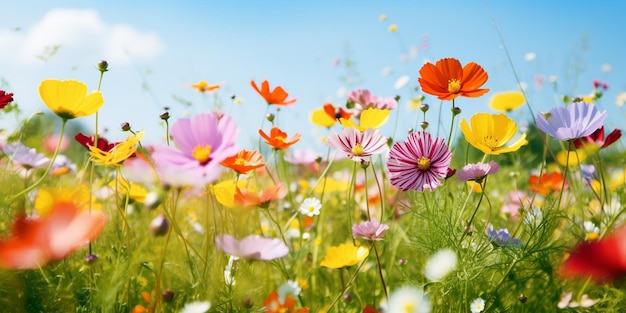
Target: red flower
{"x":5,"y":98}
{"x":603,"y":260}
{"x":597,"y":138}
{"x":447,"y":79}
{"x":87,"y":142}
{"x":278,"y":96}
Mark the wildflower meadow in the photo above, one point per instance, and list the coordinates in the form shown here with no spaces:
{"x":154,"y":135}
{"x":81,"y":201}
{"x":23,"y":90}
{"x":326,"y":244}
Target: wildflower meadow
{"x":511,"y":209}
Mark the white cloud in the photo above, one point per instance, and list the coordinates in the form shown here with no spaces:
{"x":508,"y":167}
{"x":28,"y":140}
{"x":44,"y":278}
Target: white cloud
{"x":81,"y":36}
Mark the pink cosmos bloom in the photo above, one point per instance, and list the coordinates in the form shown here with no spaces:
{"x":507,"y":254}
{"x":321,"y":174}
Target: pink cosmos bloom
{"x":419,"y":162}
{"x":252,"y":247}
{"x":371,"y":230}
{"x":513,"y":202}
{"x":204,"y":141}
{"x":365,"y":100}
{"x":477,"y":172}
{"x":358,"y":145}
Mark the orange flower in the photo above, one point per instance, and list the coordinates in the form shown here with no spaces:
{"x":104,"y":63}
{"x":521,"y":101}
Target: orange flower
{"x":547,"y":183}
{"x":278,"y":138}
{"x":447,"y":79}
{"x":328,"y":115}
{"x":36,"y":241}
{"x":273,"y":305}
{"x":140,"y":308}
{"x":278,"y":96}
{"x":247,"y":198}
{"x":244,"y":161}
{"x":203,"y":86}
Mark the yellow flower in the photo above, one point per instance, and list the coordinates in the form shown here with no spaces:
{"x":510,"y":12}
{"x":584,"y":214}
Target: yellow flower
{"x":575,"y":157}
{"x":134,"y":191}
{"x":118,"y":154}
{"x":344,"y":255}
{"x":69,"y":98}
{"x":393,"y":28}
{"x":507,"y":101}
{"x":203,"y":86}
{"x":225,"y":192}
{"x":370,"y":118}
{"x":490,"y":132}
{"x":47,"y":198}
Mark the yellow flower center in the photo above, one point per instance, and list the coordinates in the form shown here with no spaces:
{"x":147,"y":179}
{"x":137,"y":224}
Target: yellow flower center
{"x":423,"y":163}
{"x":240,"y":161}
{"x":311,"y":209}
{"x":281,"y":138}
{"x":490,"y":142}
{"x":357,"y":149}
{"x":454,"y":85}
{"x":409,"y":307}
{"x":202,"y":153}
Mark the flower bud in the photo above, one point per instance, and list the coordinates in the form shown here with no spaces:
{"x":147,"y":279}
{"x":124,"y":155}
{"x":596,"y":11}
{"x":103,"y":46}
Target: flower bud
{"x":347,"y":297}
{"x":424,"y":125}
{"x":159,"y":225}
{"x":167,"y":295}
{"x":91,"y":258}
{"x":153,"y":199}
{"x":165,"y":115}
{"x":103,"y":66}
{"x":350,"y":104}
{"x":247,"y":303}
{"x":125,"y":126}
{"x":424,"y":107}
{"x":270,"y":117}
{"x":456,"y":111}
{"x":523,"y":298}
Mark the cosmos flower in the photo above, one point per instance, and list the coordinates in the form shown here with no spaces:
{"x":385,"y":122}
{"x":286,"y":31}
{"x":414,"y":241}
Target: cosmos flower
{"x":507,"y":101}
{"x":408,"y":299}
{"x":477,"y":172}
{"x":24,"y":157}
{"x":501,"y":237}
{"x":118,"y":154}
{"x":78,"y":196}
{"x":602,"y":260}
{"x":36,"y":241}
{"x":577,"y":120}
{"x":244,"y":161}
{"x":547,"y":183}
{"x":370,"y":118}
{"x":358,"y":146}
{"x":248,"y":198}
{"x":203,"y":86}
{"x":310,"y":207}
{"x":203,"y":142}
{"x":369,"y":230}
{"x":365,"y":100}
{"x":5,"y":98}
{"x":278,"y":139}
{"x":278,"y":96}
{"x":490,"y":132}
{"x":597,"y":139}
{"x":253,"y":247}
{"x":89,"y":141}
{"x":419,"y":162}
{"x":344,"y":255}
{"x":69,"y":99}
{"x":447,"y":80}
{"x":328,"y":115}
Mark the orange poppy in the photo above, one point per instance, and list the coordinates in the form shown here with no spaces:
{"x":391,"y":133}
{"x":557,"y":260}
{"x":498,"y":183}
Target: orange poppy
{"x":278,"y":138}
{"x":244,"y":161}
{"x":246,"y":198}
{"x":278,"y":96}
{"x":36,"y":241}
{"x":447,"y":79}
{"x":547,"y":183}
{"x":273,"y":305}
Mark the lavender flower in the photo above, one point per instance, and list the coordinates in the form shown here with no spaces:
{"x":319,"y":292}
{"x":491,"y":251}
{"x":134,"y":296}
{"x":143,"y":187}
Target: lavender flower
{"x":574,"y":121}
{"x":477,"y":172}
{"x":25,"y":157}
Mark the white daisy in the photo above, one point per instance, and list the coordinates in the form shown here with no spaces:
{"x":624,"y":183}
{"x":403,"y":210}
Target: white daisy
{"x":310,"y":207}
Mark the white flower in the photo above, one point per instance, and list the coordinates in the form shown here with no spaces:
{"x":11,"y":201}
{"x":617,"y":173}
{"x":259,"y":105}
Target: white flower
{"x":530,"y":56}
{"x":621,"y":99}
{"x":407,"y":300}
{"x":478,"y":305}
{"x":402,"y":81}
{"x":196,"y":307}
{"x":310,"y":207}
{"x":290,"y":287}
{"x":440,"y":264}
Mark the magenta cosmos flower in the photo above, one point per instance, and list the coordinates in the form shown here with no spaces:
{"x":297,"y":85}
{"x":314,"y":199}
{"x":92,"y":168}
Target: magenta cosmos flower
{"x":477,"y":172}
{"x":419,"y":162}
{"x":370,"y":230}
{"x":574,"y":121}
{"x":252,"y":247}
{"x":203,"y":142}
{"x":358,"y":145}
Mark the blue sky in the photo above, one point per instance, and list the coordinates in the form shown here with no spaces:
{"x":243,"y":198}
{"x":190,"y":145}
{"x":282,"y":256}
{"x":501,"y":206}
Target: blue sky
{"x":168,"y":45}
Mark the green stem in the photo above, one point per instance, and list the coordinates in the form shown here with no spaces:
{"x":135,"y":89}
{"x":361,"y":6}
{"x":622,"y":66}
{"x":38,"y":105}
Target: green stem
{"x":380,"y":271}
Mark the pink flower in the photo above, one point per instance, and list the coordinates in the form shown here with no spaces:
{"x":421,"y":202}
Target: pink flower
{"x":252,"y":247}
{"x":371,"y":230}
{"x":366,"y":100}
{"x":358,"y":145}
{"x":419,"y":162}
{"x":478,"y":171}
{"x":203,"y":141}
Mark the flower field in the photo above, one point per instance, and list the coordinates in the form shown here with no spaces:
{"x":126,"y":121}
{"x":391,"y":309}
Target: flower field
{"x":508,"y":210}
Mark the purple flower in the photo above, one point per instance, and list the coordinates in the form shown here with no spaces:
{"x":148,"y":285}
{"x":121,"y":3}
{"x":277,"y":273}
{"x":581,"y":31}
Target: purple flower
{"x":371,"y":230}
{"x":419,"y":162}
{"x":252,"y":247}
{"x":204,"y":141}
{"x":588,"y":171}
{"x":477,"y":172}
{"x":501,"y":237}
{"x":25,"y":157}
{"x":574,"y":121}
{"x":358,"y":145}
